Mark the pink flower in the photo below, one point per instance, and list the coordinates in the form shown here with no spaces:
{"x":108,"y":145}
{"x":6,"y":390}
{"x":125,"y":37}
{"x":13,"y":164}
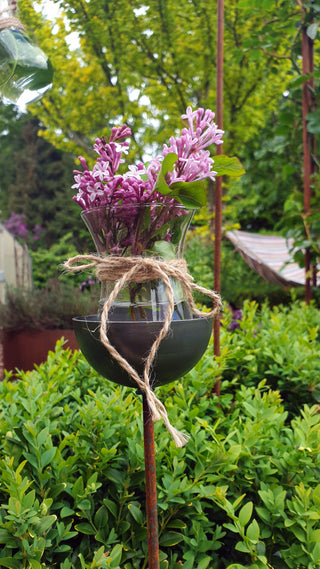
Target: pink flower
{"x":103,"y":186}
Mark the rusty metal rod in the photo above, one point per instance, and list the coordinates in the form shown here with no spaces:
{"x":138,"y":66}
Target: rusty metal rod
{"x":218,"y":184}
{"x":151,"y":487}
{"x":306,"y":153}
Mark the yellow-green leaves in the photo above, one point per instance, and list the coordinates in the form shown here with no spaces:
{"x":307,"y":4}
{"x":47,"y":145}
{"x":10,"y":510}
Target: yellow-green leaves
{"x":228,"y":166}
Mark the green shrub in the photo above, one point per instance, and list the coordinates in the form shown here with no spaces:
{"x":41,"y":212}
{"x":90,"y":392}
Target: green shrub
{"x":244,"y":492}
{"x":51,"y":307}
{"x":280,"y":345}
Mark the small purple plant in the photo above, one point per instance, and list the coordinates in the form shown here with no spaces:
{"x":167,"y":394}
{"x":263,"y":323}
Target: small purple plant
{"x":236,"y":319}
{"x":18,"y":227}
{"x":86,"y":285}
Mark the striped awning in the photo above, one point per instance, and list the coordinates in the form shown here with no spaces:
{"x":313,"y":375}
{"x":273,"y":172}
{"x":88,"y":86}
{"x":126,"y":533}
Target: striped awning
{"x":268,"y":255}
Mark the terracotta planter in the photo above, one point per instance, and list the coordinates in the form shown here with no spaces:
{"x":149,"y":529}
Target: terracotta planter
{"x":23,"y":349}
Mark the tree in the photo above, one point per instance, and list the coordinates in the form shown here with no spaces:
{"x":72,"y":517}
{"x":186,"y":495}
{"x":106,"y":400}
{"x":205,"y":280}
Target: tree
{"x":145,"y":64}
{"x":36,"y":178}
{"x":271,"y":196}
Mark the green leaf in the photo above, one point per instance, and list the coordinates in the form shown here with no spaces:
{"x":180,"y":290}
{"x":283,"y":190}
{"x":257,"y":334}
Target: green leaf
{"x":240,"y":546}
{"x":236,"y":566}
{"x":298,"y":81}
{"x":299,"y":533}
{"x":168,"y":162}
{"x":84,"y":504}
{"x":253,"y":531}
{"x":45,"y":523}
{"x":228,"y":166}
{"x":47,"y":456}
{"x":136,"y":513}
{"x":35,"y":564}
{"x":245,"y":513}
{"x":7,"y":538}
{"x":316,"y":552}
{"x":164,"y":249}
{"x":171,"y":538}
{"x":231,"y":527}
{"x":177,"y":524}
{"x":204,"y":563}
{"x":99,"y":557}
{"x":190,"y":194}
{"x":85,"y":528}
{"x":43,"y":436}
{"x":66,"y":511}
{"x":116,"y":555}
{"x":112,"y":507}
{"x":77,"y":490}
{"x":315,"y":535}
{"x":10,"y":562}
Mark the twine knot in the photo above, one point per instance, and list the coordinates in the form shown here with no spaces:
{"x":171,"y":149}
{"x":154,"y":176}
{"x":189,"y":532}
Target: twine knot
{"x":11,"y":21}
{"x":122,"y":270}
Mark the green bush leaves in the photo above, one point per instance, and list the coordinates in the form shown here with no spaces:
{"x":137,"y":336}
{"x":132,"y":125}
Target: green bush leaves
{"x":244,"y":492}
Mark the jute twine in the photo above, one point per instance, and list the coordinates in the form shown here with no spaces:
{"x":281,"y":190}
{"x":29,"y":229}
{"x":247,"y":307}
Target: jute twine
{"x":122,"y":270}
{"x":11,"y":21}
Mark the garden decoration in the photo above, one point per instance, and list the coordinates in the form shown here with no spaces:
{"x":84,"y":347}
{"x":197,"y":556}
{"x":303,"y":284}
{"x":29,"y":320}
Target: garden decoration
{"x":148,"y":330}
{"x":25,"y":71}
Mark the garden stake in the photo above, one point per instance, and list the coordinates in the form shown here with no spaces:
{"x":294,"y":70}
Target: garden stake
{"x":308,"y":144}
{"x":151,"y":487}
{"x":218,"y":184}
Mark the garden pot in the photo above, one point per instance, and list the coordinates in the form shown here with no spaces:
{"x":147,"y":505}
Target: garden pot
{"x":178,"y":352}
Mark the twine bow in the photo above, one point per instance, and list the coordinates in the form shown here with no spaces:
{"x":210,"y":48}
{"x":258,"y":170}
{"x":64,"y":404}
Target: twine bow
{"x":122,"y":270}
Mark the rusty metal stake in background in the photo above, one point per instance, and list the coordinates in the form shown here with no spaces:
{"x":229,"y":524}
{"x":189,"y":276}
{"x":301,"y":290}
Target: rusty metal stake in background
{"x":308,"y":143}
{"x":218,"y":184}
{"x":151,"y":487}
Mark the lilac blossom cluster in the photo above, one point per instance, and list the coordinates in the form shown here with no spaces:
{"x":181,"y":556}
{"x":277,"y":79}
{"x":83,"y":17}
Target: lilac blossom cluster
{"x":103,"y":186}
{"x":17,"y":226}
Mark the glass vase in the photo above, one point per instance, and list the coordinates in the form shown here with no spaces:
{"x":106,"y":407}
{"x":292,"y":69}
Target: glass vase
{"x":134,"y":230}
{"x":25,"y":71}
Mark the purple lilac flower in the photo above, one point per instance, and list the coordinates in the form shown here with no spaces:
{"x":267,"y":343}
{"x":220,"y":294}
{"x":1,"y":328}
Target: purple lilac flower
{"x":103,"y":186}
{"x":37,"y":232}
{"x":113,"y":204}
{"x":17,"y":225}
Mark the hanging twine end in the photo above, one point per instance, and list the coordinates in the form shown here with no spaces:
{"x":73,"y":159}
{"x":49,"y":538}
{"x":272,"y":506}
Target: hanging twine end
{"x":180,"y":439}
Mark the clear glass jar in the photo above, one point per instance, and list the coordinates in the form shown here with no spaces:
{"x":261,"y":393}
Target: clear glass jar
{"x":25,"y":71}
{"x":157,"y":231}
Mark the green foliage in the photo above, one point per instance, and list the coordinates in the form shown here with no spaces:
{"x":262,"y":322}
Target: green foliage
{"x":47,"y":262}
{"x":54,"y":306}
{"x":243,"y":493}
{"x":36,"y":180}
{"x":150,"y":62}
{"x":303,"y":228}
{"x":280,"y":345}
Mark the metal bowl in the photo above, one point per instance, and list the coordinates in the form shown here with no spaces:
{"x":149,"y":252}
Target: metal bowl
{"x":178,"y":352}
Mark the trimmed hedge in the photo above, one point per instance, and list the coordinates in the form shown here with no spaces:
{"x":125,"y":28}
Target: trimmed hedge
{"x":244,"y":492}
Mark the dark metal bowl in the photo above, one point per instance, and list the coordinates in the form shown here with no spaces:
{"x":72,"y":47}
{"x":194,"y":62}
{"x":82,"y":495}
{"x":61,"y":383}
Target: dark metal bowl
{"x":178,"y":352}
